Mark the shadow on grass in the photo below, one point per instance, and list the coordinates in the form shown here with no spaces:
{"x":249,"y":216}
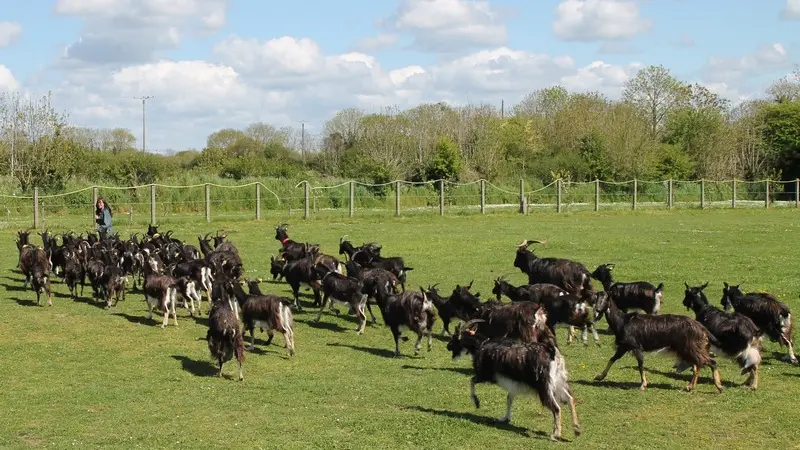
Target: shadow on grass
{"x":382,"y":352}
{"x":14,"y":287}
{"x":687,"y":376}
{"x":479,"y":420}
{"x":25,"y":301}
{"x":627,"y":385}
{"x":141,"y":320}
{"x":460,"y":370}
{"x":197,"y":368}
{"x":90,"y":301}
{"x":330,"y":326}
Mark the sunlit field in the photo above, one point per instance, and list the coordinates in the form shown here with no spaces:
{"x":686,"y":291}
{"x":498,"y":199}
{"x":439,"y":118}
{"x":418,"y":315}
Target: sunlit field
{"x":77,"y":374}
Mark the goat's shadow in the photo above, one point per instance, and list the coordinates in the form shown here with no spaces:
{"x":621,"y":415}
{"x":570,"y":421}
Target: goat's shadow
{"x":26,"y":302}
{"x":459,"y":370}
{"x":382,"y":352}
{"x":687,"y":376}
{"x":627,"y":385}
{"x":90,"y":301}
{"x":141,"y":320}
{"x":791,"y":374}
{"x":322,"y":325}
{"x":15,"y":287}
{"x":197,"y":368}
{"x":479,"y":420}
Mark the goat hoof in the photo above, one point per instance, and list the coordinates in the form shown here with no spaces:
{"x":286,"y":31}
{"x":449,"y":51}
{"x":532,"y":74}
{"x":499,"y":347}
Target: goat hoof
{"x":599,"y":378}
{"x":577,"y":431}
{"x":643,"y":387}
{"x":504,"y":420}
{"x":555,"y":437}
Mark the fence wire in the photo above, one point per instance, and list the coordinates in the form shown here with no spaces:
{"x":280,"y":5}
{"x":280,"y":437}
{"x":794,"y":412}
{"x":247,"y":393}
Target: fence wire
{"x":281,"y":199}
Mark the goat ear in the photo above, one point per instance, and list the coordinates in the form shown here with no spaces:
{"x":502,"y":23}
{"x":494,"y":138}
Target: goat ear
{"x":686,"y":284}
{"x":704,"y":286}
{"x":725,"y":283}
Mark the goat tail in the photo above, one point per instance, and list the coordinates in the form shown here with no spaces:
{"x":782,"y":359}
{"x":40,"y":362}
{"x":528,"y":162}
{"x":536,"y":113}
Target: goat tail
{"x":558,"y":383}
{"x":750,"y":357}
{"x":239,"y":346}
{"x":787,"y":326}
{"x":287,"y":319}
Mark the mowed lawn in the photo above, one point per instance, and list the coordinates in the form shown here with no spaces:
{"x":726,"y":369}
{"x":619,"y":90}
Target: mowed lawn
{"x":76,"y":374}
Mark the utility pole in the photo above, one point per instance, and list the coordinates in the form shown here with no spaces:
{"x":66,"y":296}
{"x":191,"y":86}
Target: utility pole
{"x":303,"y":140}
{"x":144,"y":100}
{"x":502,"y":109}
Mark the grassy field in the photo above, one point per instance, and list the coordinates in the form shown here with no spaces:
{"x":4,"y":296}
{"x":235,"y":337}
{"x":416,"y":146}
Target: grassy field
{"x":78,"y":375}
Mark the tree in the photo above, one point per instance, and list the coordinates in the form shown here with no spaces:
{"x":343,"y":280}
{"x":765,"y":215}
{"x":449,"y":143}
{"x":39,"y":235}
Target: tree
{"x":447,"y":162}
{"x":224,"y":138}
{"x":121,"y":139}
{"x":655,"y":93}
{"x":782,"y":134}
{"x":786,"y":89}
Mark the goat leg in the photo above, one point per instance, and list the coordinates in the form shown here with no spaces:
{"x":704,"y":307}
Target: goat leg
{"x":472,"y":382}
{"x":430,"y":340}
{"x":509,"y":402}
{"x":556,"y":436}
{"x":695,"y":376}
{"x":639,"y":355}
{"x":396,"y":336}
{"x":619,"y":354}
{"x":418,"y":345}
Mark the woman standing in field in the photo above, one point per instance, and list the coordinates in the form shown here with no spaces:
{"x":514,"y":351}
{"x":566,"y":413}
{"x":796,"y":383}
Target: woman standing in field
{"x":102,"y":216}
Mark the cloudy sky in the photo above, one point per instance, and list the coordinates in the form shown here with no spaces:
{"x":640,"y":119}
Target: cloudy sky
{"x":211,"y":64}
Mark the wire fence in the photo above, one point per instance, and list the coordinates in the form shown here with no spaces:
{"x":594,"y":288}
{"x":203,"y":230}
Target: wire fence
{"x":283,"y":199}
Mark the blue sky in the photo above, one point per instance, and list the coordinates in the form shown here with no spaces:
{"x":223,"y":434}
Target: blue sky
{"x":212,"y":64}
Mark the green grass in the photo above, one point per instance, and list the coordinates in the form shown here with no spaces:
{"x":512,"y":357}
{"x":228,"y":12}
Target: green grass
{"x":75,"y":374}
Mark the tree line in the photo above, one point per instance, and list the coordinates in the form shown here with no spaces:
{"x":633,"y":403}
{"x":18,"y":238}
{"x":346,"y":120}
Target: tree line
{"x":660,"y":128}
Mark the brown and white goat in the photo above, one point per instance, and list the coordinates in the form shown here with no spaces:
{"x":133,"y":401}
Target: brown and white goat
{"x":639,"y":333}
{"x":35,"y":265}
{"x":160,"y":292}
{"x":520,"y":368}
{"x":267,"y":312}
{"x":771,"y":315}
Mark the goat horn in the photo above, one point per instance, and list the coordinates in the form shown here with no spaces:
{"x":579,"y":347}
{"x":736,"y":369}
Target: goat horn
{"x":473,"y":322}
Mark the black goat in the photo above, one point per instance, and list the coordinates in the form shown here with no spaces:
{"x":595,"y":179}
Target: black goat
{"x":301,"y":272}
{"x":379,"y":284}
{"x":224,"y":336}
{"x":290,"y":249}
{"x":520,"y":368}
{"x":639,"y":333}
{"x":276,"y":266}
{"x":412,"y":311}
{"x":516,"y":320}
{"x":34,"y":262}
{"x":569,"y":275}
{"x":461,"y":304}
{"x":535,"y":293}
{"x":738,"y":334}
{"x":343,"y":289}
{"x":771,"y":315}
{"x":633,"y":295}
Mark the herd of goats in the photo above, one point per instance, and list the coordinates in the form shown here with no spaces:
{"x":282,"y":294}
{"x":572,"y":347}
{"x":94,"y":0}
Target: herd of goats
{"x":512,"y":344}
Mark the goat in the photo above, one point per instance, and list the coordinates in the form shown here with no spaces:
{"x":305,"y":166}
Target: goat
{"x":301,"y":271}
{"x":461,"y":305}
{"x":114,"y":282}
{"x":74,"y":273}
{"x":341,"y":288}
{"x":224,"y":337}
{"x":160,"y":291}
{"x":520,"y":368}
{"x":35,"y":265}
{"x":738,"y":334}
{"x":270,"y":312}
{"x":633,"y":295}
{"x":771,"y":315}
{"x":291,"y":250}
{"x":639,"y":333}
{"x":378,"y":284}
{"x":409,"y":310}
{"x":276,"y":266}
{"x":535,"y":293}
{"x":511,"y":320}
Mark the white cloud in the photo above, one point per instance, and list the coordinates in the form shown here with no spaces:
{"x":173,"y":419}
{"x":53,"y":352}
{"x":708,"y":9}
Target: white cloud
{"x":9,"y":32}
{"x":7,"y":80}
{"x":445,"y":26}
{"x":791,"y":11}
{"x":594,"y":20}
{"x":133,"y":31}
{"x":767,"y":58}
{"x":377,"y":42}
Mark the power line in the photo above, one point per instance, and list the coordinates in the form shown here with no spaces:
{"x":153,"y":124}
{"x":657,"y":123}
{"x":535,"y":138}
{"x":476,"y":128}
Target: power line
{"x":144,"y":126}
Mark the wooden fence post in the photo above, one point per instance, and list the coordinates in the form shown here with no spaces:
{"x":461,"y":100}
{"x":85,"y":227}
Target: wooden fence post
{"x":766,"y":194}
{"x":702,"y":194}
{"x":152,"y":204}
{"x":94,"y":202}
{"x":597,"y":194}
{"x":441,"y":197}
{"x":635,"y":193}
{"x":797,"y":193}
{"x":397,"y":198}
{"x":352,"y":198}
{"x":670,"y":194}
{"x":522,"y":209}
{"x":483,"y":196}
{"x":558,"y":195}
{"x":35,"y":207}
{"x":306,"y":200}
{"x":733,"y":197}
{"x":258,"y":201}
{"x":208,"y":202}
